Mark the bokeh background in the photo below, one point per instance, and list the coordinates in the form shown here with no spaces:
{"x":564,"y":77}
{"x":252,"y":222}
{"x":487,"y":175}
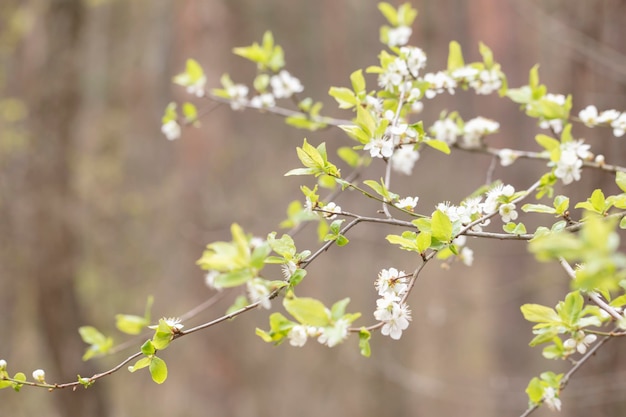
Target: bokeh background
{"x":98,"y":210}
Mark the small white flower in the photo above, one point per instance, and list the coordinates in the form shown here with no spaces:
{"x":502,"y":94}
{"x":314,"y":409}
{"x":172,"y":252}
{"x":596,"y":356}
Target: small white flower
{"x":403,"y":160}
{"x":619,"y":126}
{"x":467,"y":256}
{"x":551,"y":399}
{"x":508,"y":213}
{"x":507,"y":157}
{"x":238,"y":94}
{"x":197,"y":88}
{"x":608,"y":116}
{"x":171,"y":130}
{"x":288,"y":269}
{"x":599,"y":159}
{"x":398,"y":36}
{"x":394,"y":315}
{"x":407,"y":203}
{"x":3,"y":365}
{"x":284,"y":85}
{"x":379,"y":147}
{"x":263,"y":101}
{"x":209,"y":279}
{"x":465,"y":74}
{"x":375,"y":103}
{"x":39,"y":375}
{"x":329,"y":209}
{"x":476,"y":128}
{"x":297,"y":335}
{"x":439,"y":82}
{"x":258,"y":291}
{"x":415,"y":59}
{"x":486,"y":82}
{"x":580,"y":342}
{"x":391,"y":281}
{"x":589,"y":115}
{"x":445,"y":130}
{"x":173,"y":322}
{"x":569,"y":167}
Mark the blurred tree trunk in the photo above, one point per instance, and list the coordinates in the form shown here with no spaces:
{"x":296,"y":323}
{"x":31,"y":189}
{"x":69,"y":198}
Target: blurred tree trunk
{"x":48,"y":239}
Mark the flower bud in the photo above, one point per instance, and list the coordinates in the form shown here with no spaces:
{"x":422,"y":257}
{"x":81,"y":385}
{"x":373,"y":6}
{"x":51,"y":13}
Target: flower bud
{"x":39,"y":375}
{"x":3,"y":365}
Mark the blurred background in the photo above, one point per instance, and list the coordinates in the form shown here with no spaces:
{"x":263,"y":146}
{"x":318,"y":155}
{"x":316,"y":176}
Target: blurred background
{"x":98,"y":210}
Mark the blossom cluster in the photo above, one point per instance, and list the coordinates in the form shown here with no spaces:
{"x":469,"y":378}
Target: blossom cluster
{"x":570,"y":162}
{"x":390,"y":309}
{"x":590,"y":117}
{"x":472,"y":132}
{"x":283,"y":85}
{"x":329,"y":336}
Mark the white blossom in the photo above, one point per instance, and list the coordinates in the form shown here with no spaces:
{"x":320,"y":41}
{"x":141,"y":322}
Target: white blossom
{"x":568,"y":167}
{"x":329,"y":209}
{"x":288,"y":269}
{"x":415,"y":59}
{"x":171,"y":130}
{"x":3,"y":365}
{"x":297,"y":335}
{"x":380,"y":147}
{"x":445,"y":130}
{"x":439,"y":82}
{"x":467,"y":256}
{"x":465,"y":74}
{"x":486,"y":82}
{"x":407,"y":203}
{"x":209,"y":279}
{"x":507,"y":211}
{"x":551,"y":399}
{"x":238,"y":94}
{"x":39,"y":375}
{"x":258,"y":291}
{"x":589,"y":115}
{"x":476,"y":128}
{"x":263,"y":101}
{"x":507,"y":156}
{"x":619,"y":125}
{"x":403,"y":160}
{"x":608,"y":116}
{"x":394,"y":315}
{"x":391,"y":281}
{"x":284,"y":85}
{"x":398,"y":36}
{"x":580,"y":342}
{"x":197,"y":88}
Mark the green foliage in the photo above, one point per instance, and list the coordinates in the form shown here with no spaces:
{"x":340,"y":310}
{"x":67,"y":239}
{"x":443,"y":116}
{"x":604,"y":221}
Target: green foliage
{"x":267,"y":55}
{"x":99,"y":343}
{"x":315,"y":161}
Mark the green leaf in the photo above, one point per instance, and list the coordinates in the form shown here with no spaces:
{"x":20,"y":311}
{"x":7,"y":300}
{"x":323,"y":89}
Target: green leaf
{"x":358,"y":81}
{"x":364,"y":342}
{"x":140,"y":364}
{"x":344,"y":97}
{"x":148,"y":348}
{"x":158,"y":370}
{"x":439,"y":145}
{"x":349,"y":156}
{"x":515,"y":229}
{"x":441,"y":226}
{"x":234,"y":278}
{"x":130,"y":324}
{"x":538,"y":208}
{"x":423,"y":241}
{"x":307,"y":311}
{"x":620,"y":180}
{"x":162,"y":336}
{"x":547,"y":142}
{"x":190,"y":112}
{"x":389,"y":12}
{"x":18,"y":377}
{"x":570,"y":309}
{"x":537,"y":313}
{"x":535,"y":391}
{"x":455,"y":56}
{"x":338,"y":309}
{"x":487,"y":55}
